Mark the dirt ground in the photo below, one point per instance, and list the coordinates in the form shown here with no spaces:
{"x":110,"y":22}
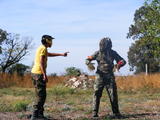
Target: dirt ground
{"x":66,"y":104}
{"x":103,"y":116}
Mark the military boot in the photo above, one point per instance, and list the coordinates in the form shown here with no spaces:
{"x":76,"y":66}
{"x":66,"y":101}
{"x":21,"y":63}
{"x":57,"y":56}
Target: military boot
{"x":95,"y":114}
{"x":41,"y":116}
{"x":96,"y":107}
{"x":34,"y":115}
{"x":118,"y":116}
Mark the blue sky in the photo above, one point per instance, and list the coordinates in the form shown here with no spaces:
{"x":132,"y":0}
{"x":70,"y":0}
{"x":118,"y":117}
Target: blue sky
{"x":77,"y":25}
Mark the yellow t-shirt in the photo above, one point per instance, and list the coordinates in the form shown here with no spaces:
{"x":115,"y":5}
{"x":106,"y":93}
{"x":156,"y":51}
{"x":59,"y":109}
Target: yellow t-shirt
{"x":41,"y":51}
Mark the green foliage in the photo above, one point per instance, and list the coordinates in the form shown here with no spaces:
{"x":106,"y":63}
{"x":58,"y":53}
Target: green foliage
{"x":3,"y":35}
{"x":15,"y":92}
{"x":19,"y":106}
{"x":53,"y":74}
{"x":146,"y":32}
{"x":138,"y":56}
{"x":72,"y":71}
{"x":61,"y":90}
{"x":20,"y":69}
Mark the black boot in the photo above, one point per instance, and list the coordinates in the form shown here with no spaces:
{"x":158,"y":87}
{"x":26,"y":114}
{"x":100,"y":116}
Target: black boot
{"x":34,"y":115}
{"x":95,"y":114}
{"x":96,"y":107}
{"x":41,"y":116}
{"x":117,"y":115}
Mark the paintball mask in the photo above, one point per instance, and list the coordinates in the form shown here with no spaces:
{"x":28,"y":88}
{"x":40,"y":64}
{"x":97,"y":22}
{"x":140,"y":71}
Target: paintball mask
{"x":105,"y":44}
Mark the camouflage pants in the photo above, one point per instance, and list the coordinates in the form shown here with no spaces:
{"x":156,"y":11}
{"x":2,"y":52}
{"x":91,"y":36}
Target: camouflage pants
{"x":40,"y":92}
{"x":106,"y":81}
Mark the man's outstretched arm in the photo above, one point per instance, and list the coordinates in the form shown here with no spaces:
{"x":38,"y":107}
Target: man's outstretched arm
{"x":57,"y":54}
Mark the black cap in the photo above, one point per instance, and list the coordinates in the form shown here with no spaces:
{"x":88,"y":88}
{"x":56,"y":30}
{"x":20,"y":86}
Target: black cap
{"x":47,"y":37}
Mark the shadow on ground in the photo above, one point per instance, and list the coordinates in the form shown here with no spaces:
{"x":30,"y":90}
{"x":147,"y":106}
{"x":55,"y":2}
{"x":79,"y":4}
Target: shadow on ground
{"x":131,"y":116}
{"x":137,"y":116}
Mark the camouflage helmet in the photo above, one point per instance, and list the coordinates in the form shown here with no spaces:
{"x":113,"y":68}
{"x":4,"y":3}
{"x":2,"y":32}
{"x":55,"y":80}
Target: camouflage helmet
{"x":105,"y":44}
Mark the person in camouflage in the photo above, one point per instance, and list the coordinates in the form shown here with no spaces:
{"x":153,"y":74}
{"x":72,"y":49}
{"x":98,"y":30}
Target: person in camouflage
{"x":105,"y":78}
{"x":39,"y":76}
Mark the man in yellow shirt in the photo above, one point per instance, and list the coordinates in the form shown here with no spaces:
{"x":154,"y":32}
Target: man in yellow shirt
{"x":39,"y":76}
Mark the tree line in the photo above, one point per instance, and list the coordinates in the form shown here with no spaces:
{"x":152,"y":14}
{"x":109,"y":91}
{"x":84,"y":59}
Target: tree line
{"x":145,"y":31}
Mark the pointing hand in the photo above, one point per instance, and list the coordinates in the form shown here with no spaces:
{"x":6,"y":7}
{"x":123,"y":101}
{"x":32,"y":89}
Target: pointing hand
{"x":65,"y":54}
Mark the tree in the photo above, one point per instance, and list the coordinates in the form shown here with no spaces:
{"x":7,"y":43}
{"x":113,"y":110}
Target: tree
{"x":146,"y":33}
{"x":138,"y":56}
{"x":53,"y":74}
{"x":3,"y":35}
{"x":72,"y":71}
{"x":13,"y":50}
{"x":20,"y":69}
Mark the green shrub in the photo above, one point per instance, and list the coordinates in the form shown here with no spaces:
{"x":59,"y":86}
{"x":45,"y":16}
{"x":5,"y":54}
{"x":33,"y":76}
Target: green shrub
{"x":61,"y":90}
{"x":72,"y":71}
{"x":19,"y":106}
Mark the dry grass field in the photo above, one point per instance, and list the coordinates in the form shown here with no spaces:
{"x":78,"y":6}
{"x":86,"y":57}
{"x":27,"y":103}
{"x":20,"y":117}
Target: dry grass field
{"x":130,"y":83}
{"x":139,"y":99}
{"x":7,"y":80}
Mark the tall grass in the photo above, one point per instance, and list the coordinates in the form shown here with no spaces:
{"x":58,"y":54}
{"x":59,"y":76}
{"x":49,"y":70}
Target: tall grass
{"x":7,"y":80}
{"x":133,"y":82}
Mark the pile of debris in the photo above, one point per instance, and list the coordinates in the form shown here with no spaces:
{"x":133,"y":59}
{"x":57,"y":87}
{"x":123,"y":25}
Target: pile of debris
{"x":83,"y":81}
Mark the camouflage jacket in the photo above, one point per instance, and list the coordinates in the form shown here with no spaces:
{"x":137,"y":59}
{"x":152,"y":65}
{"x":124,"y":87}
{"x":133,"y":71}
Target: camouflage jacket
{"x":106,"y":64}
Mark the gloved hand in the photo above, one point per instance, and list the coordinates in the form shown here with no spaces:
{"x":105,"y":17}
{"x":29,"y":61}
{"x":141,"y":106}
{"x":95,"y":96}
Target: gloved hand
{"x":118,"y":65}
{"x":90,"y":65}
